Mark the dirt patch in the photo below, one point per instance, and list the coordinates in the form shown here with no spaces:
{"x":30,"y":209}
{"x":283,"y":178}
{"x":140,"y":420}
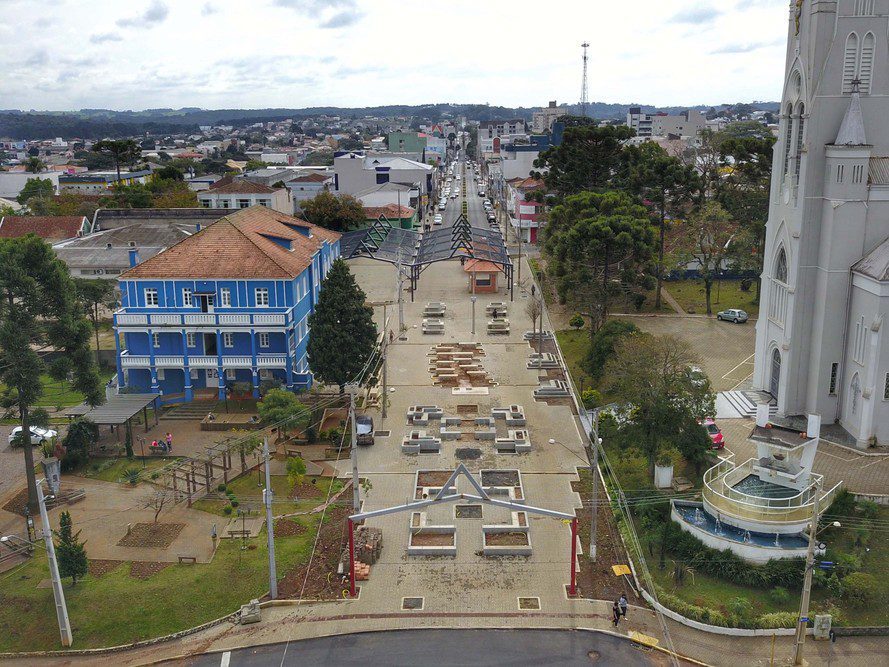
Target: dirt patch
{"x":18,"y":503}
{"x":422,"y":539}
{"x":468,"y":453}
{"x":323,"y":582}
{"x":142,"y":569}
{"x":468,"y":511}
{"x":500,"y":478}
{"x":288,"y":528}
{"x":506,"y":539}
{"x":559,"y":400}
{"x":307,"y":489}
{"x":467,"y":409}
{"x":529,"y":603}
{"x":154,"y":535}
{"x":433,"y":477}
{"x":99,"y":568}
{"x":596,"y":580}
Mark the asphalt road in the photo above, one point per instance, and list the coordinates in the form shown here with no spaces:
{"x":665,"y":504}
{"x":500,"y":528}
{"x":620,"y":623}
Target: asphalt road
{"x":476,"y":211}
{"x":410,"y":648}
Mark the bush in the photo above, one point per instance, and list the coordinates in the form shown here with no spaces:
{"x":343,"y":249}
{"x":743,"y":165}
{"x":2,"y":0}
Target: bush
{"x":779,"y":595}
{"x":227,"y":510}
{"x":591,"y":398}
{"x":602,"y":347}
{"x":131,"y":476}
{"x":235,"y":503}
{"x":846,"y":564}
{"x":221,"y":488}
{"x":576,"y":321}
{"x":778,"y":619}
{"x":859,"y":588}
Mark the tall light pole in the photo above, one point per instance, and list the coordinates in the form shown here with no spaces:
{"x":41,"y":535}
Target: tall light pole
{"x":58,"y":592}
{"x":356,"y":501}
{"x":473,"y":299}
{"x":803,"y":620}
{"x":267,"y":496}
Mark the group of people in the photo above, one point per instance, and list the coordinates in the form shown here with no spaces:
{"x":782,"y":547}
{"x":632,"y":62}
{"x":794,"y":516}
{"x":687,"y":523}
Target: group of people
{"x":619,"y":608}
{"x":166,"y":444}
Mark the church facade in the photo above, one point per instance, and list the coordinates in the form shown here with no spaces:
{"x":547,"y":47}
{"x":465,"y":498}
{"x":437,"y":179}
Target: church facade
{"x":822,"y":344}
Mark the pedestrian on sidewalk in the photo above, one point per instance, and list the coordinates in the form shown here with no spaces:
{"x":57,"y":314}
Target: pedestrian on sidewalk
{"x":169,"y":442}
{"x":615,"y":613}
{"x":623,"y":604}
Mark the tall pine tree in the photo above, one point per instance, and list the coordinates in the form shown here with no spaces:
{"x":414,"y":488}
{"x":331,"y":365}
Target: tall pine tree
{"x":70,"y":552}
{"x":342,"y":330}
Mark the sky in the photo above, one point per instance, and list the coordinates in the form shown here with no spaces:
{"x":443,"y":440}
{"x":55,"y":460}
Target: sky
{"x":138,"y":54}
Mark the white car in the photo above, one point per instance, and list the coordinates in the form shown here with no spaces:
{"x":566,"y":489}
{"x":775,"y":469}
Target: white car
{"x":437,"y":219}
{"x":442,"y":206}
{"x":454,"y":196}
{"x":38,"y":435}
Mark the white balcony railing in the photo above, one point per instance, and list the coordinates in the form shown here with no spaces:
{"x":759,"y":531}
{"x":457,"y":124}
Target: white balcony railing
{"x":198,"y":318}
{"x":124,"y":319}
{"x":136,"y":320}
{"x":271,"y":361}
{"x":128,"y":360}
{"x":169,"y":361}
{"x":203,"y":362}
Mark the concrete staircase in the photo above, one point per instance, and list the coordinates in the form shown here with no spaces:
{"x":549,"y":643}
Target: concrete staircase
{"x":196,"y":410}
{"x":745,"y":402}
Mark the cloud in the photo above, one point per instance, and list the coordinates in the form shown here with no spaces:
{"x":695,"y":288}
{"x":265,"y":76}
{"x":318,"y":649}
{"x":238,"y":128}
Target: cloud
{"x":102,"y":37}
{"x":696,"y":15}
{"x":745,"y":47}
{"x":341,"y":20}
{"x":37,"y":59}
{"x":208,"y":9}
{"x":156,"y":13}
{"x":44,"y":22}
{"x":314,"y":7}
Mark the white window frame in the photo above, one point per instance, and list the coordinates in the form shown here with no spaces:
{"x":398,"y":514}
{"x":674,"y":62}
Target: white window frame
{"x":264,"y":291}
{"x":231,"y":374}
{"x":225,"y":297}
{"x":155,"y":297}
{"x":190,"y":339}
{"x":228,"y":339}
{"x":155,"y":340}
{"x":187,"y":298}
{"x":263,"y":339}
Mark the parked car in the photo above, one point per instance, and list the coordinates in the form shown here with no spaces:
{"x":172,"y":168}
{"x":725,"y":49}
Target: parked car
{"x":735,"y":315}
{"x":38,"y":435}
{"x":364,"y":426}
{"x":715,"y":434}
{"x":437,"y":219}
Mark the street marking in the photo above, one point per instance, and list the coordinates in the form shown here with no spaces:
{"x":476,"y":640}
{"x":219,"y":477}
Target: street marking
{"x":748,"y":360}
{"x":225,"y":659}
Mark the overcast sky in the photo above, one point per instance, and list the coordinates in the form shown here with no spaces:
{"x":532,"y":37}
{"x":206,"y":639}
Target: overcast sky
{"x":137,"y":54}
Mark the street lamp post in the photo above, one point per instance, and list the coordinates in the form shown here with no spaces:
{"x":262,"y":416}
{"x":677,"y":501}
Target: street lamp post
{"x":473,"y":299}
{"x":57,"y":591}
{"x":803,"y":620}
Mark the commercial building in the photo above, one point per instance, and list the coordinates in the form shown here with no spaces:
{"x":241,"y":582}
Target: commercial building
{"x":243,"y":194}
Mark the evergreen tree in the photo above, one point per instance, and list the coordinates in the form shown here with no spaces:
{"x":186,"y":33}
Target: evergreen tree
{"x":70,"y":552}
{"x":342,"y":331}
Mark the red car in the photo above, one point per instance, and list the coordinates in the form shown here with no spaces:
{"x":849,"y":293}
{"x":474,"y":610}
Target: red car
{"x":715,"y":434}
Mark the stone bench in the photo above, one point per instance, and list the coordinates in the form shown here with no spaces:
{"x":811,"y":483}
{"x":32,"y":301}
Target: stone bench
{"x":449,"y":434}
{"x":552,"y":389}
{"x":514,"y":415}
{"x":535,"y":335}
{"x":485,"y":434}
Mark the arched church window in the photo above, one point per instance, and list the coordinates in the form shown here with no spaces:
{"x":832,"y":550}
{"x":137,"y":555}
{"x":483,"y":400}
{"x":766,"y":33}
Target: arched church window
{"x":800,"y":129}
{"x":780,"y":272}
{"x":855,"y":391}
{"x":788,"y":137}
{"x":866,"y":63}
{"x":850,"y":62}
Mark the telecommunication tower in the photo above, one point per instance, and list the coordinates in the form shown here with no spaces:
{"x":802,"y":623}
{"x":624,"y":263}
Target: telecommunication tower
{"x":583,"y":88}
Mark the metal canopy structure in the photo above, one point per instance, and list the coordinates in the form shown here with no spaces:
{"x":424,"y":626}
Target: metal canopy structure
{"x":449,"y":494}
{"x":415,"y":251}
{"x":120,"y":408}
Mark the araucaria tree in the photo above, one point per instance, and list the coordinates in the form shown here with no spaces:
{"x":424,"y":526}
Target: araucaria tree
{"x":587,"y":158}
{"x":342,"y":331}
{"x":39,"y":312}
{"x":121,"y":151}
{"x":70,"y":551}
{"x":599,"y":246}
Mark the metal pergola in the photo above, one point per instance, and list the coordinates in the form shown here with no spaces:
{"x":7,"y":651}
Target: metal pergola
{"x":445,"y":496}
{"x":414,"y":252}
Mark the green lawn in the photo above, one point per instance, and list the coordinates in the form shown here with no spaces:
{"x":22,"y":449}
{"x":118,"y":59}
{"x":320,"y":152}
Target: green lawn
{"x":58,"y":393}
{"x":111,"y":470}
{"x":249,"y":495}
{"x":117,"y":608}
{"x":725,"y":294}
{"x":574,"y":345}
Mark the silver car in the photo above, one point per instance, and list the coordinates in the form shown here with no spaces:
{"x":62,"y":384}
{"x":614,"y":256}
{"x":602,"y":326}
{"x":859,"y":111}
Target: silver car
{"x":38,"y":435}
{"x":735,"y":315}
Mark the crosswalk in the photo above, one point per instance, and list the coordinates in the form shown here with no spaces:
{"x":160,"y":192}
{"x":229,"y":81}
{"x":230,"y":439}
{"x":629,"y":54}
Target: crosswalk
{"x":738,"y":404}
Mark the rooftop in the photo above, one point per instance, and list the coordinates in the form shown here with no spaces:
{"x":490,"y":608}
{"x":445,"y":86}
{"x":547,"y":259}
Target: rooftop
{"x":48,"y":227}
{"x":240,"y":187}
{"x":241,"y":245}
{"x":874,"y":264}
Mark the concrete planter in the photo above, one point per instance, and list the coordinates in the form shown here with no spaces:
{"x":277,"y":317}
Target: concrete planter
{"x":506,"y":549}
{"x":663,"y":476}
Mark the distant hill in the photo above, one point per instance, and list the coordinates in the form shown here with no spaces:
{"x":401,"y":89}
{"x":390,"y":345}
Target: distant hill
{"x":98,"y":123}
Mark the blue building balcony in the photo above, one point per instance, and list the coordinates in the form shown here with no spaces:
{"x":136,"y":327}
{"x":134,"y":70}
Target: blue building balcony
{"x":139,"y":321}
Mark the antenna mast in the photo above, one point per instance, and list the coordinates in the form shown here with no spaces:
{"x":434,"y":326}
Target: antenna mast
{"x":583,"y":90}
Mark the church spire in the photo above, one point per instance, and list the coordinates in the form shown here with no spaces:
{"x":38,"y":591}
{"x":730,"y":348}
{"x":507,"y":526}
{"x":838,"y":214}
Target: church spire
{"x":852,"y":128}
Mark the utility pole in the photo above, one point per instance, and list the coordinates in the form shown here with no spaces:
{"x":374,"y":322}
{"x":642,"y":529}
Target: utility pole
{"x":58,"y":592}
{"x":400,"y":293}
{"x":803,"y":620}
{"x":473,"y":300}
{"x":269,"y":521}
{"x":594,"y":462}
{"x":540,"y":340}
{"x":356,"y":501}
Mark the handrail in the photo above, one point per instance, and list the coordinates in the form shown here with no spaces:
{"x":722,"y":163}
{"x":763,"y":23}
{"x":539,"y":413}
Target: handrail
{"x":723,"y":489}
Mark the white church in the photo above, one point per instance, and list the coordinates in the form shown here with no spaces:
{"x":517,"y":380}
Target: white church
{"x":822,"y":344}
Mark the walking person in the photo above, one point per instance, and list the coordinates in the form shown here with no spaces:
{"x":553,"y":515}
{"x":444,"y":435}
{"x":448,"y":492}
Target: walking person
{"x":623,"y":604}
{"x":169,"y":442}
{"x":615,"y":613}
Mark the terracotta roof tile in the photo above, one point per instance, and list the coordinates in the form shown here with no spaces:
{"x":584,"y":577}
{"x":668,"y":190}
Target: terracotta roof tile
{"x":49,"y":227}
{"x":389,"y":210}
{"x":310,"y":178}
{"x":240,"y":245}
{"x":242,"y":188}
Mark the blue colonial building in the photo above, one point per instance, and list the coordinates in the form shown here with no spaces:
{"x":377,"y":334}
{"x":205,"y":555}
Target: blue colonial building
{"x":226,"y":307}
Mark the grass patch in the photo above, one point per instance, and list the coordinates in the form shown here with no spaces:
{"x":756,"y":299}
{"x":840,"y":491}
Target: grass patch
{"x":574,"y":345}
{"x":725,"y":294}
{"x":246,"y":406}
{"x":111,"y":470}
{"x":58,"y":392}
{"x":249,"y":495}
{"x":117,"y":608}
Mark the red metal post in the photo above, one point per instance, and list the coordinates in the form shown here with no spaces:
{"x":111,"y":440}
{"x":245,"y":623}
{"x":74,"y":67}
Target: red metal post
{"x":572,"y":590}
{"x":351,"y":559}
